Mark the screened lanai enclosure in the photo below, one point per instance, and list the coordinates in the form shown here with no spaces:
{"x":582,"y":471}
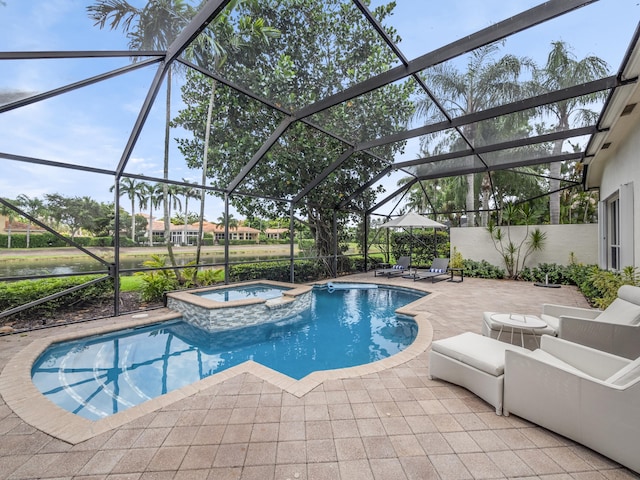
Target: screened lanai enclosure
{"x":153,"y":123}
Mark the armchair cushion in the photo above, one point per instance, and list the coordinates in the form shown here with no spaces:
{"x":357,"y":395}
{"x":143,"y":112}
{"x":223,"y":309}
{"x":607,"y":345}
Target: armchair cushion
{"x":626,"y":374}
{"x":621,"y":312}
{"x":480,"y":352}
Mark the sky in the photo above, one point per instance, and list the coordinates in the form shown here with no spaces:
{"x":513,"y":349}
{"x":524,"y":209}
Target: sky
{"x":91,"y":126}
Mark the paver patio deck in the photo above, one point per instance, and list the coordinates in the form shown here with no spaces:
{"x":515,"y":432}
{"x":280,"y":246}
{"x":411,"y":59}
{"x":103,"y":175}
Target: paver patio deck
{"x":393,"y":424}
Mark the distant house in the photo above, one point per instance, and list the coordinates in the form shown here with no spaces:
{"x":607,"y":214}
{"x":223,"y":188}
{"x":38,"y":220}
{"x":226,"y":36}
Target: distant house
{"x":276,"y":233}
{"x":613,"y":168}
{"x":188,"y":236}
{"x":17,"y":227}
{"x":237,"y":233}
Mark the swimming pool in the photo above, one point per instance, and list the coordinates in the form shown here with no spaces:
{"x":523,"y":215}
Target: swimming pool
{"x":98,"y":376}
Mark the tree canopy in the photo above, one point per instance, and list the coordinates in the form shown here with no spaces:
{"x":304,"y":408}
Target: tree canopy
{"x":323,"y":48}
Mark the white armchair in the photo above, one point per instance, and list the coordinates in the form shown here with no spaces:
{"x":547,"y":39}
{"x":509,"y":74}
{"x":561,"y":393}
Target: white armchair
{"x":587,"y":395}
{"x":615,"y":330}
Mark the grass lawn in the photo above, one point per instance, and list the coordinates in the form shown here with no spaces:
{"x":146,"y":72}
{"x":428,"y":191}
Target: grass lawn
{"x":131,"y":283}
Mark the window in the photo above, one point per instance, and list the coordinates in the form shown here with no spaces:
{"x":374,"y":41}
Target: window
{"x":613,"y":217}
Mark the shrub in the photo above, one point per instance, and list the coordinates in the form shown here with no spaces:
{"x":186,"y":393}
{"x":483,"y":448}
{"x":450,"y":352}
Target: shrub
{"x":607,"y":283}
{"x":102,"y":242}
{"x":157,"y":282}
{"x":14,"y":294}
{"x":305,"y":271}
{"x":210,"y":276}
{"x":482,"y":269}
{"x":551,"y":272}
{"x":457,"y":261}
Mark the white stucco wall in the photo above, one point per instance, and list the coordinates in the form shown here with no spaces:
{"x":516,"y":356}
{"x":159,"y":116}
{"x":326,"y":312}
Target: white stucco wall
{"x":581,"y":239}
{"x":622,"y":168}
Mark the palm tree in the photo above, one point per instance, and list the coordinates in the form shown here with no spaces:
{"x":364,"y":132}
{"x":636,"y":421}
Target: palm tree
{"x":152,"y":27}
{"x":133,"y":190}
{"x":152,"y":199}
{"x":173,"y":198}
{"x":32,"y":206}
{"x":232,"y":223}
{"x":562,"y":70}
{"x":187,"y":193}
{"x":486,"y":83}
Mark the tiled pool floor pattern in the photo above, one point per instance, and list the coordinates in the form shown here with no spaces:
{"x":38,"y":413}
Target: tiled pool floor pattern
{"x":391,"y":424}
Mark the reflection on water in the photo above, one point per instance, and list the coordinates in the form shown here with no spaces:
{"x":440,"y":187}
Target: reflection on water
{"x":62,"y":265}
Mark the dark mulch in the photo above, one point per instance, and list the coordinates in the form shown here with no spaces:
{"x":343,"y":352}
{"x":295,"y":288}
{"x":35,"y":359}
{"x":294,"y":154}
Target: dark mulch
{"x":129,"y":302}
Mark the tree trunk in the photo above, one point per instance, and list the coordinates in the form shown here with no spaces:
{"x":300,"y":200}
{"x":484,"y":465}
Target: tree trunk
{"x":133,"y":219}
{"x":486,"y":194}
{"x":204,"y":171}
{"x":150,"y":226}
{"x":186,"y":211}
{"x":554,"y":184}
{"x":165,"y":186}
{"x":470,"y":203}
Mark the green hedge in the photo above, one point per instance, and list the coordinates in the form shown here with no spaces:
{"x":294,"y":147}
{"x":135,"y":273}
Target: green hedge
{"x":305,"y":271}
{"x":421,"y":245}
{"x":482,"y":269}
{"x":238,"y":242}
{"x":40,"y":240}
{"x":14,"y":294}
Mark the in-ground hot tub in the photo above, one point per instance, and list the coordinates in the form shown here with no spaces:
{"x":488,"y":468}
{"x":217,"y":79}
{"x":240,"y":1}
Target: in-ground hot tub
{"x":216,"y":309}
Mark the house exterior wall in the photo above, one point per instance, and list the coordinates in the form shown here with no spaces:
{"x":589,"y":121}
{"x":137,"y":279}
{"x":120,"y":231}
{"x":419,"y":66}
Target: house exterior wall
{"x":623,"y":169}
{"x":562,"y":240}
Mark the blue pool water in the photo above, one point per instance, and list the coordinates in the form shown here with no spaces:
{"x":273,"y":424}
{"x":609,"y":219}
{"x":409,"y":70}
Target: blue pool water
{"x":98,"y":376}
{"x":243,"y":293}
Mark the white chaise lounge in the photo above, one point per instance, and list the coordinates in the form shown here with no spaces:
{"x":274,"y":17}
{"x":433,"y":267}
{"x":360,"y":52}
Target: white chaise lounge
{"x":587,"y":395}
{"x":474,"y":362}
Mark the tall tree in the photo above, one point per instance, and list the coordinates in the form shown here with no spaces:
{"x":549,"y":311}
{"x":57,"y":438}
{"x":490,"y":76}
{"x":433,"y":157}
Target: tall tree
{"x":486,"y":82}
{"x":222,"y":221}
{"x":152,"y":27}
{"x":134,"y":190}
{"x":75,"y":212}
{"x":152,"y":194}
{"x":224,"y":40}
{"x":187,"y":193}
{"x":33,"y":207}
{"x":323,"y":48}
{"x":563,"y":70}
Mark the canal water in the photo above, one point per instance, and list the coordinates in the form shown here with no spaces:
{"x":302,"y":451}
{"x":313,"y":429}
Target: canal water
{"x":65,"y":265}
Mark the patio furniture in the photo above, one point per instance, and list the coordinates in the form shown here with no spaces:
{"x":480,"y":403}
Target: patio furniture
{"x":585,"y":394}
{"x":439,"y":267}
{"x":525,"y":336}
{"x":615,"y":330}
{"x":473,"y":362}
{"x":399,"y":268}
{"x":519,"y":322}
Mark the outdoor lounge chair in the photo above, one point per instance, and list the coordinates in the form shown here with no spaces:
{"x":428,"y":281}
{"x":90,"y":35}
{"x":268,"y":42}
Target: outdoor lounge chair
{"x":439,"y":267}
{"x":398,"y":269}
